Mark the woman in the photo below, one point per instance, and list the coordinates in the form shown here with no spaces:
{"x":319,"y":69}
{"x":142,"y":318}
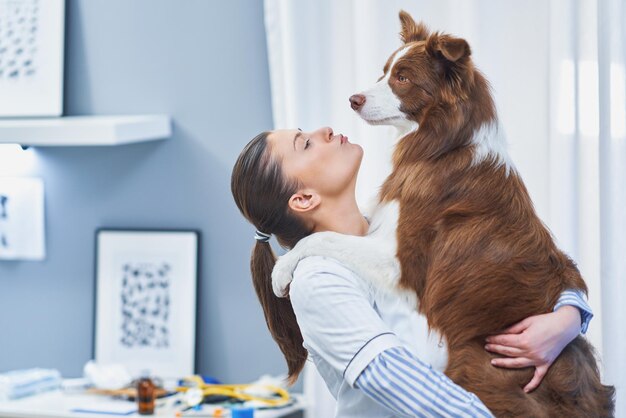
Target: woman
{"x":291,"y":184}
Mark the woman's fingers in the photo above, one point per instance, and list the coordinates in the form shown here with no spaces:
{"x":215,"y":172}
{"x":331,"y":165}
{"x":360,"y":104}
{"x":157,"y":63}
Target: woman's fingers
{"x":505,"y":350}
{"x":540,"y":372}
{"x":513,"y":363}
{"x":511,"y":340}
{"x":519,"y":327}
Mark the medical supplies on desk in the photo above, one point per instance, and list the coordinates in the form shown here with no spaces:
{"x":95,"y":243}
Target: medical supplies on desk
{"x":265,"y":393}
{"x":19,"y":383}
{"x":107,"y":376}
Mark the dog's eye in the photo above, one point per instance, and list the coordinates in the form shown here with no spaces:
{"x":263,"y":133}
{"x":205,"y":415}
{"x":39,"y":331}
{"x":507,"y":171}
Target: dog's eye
{"x":402,"y":79}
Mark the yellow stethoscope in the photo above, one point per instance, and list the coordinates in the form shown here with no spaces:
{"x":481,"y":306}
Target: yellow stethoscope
{"x":232,"y":391}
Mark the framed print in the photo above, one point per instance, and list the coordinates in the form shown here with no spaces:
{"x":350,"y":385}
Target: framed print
{"x":146,"y":283}
{"x":22,"y":220}
{"x":31,"y":57}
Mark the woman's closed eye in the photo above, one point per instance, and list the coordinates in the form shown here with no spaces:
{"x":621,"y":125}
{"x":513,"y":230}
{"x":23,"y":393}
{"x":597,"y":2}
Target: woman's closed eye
{"x":307,"y":143}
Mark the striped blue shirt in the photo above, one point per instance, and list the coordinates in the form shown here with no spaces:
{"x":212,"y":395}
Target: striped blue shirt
{"x":370,"y":347}
{"x":411,"y":388}
{"x":576,"y":298}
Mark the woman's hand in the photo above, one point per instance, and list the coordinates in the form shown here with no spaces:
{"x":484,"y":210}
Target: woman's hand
{"x":536,"y":341}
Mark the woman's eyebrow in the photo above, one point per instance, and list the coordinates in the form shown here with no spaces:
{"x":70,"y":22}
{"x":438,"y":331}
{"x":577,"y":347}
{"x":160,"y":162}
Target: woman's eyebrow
{"x":295,"y":138}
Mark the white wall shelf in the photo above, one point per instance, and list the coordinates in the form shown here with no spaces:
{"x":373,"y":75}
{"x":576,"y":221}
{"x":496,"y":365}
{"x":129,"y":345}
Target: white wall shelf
{"x":84,"y":130}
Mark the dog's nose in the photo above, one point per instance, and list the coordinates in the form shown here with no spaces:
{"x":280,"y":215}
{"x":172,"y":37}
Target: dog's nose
{"x":357,"y":101}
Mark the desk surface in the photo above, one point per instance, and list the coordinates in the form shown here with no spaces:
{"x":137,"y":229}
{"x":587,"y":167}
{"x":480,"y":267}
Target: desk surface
{"x":60,"y":405}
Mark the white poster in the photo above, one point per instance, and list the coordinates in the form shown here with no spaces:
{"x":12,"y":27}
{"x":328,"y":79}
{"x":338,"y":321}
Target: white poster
{"x":146,"y":300}
{"x":31,"y":57}
{"x":22,"y":219}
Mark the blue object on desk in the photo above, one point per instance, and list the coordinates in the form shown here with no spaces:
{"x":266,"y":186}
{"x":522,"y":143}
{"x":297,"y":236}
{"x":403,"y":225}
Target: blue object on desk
{"x":242,"y":413}
{"x":20,"y":383}
{"x":210,"y":380}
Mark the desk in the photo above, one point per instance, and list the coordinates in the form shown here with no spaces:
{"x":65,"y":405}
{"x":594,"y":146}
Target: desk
{"x":57,"y":404}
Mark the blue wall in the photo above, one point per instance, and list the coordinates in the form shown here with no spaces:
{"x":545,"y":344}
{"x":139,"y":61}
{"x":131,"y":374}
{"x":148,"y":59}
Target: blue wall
{"x":204,"y":62}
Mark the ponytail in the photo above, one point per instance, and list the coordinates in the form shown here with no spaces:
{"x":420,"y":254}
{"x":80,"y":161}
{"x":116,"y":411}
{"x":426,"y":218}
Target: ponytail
{"x":261,"y":193}
{"x":279,"y":314}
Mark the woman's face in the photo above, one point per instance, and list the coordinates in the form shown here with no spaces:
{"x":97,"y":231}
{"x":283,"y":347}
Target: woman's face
{"x":322,"y":161}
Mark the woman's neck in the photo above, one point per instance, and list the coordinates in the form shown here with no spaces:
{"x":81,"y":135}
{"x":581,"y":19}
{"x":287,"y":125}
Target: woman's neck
{"x":343,"y":217}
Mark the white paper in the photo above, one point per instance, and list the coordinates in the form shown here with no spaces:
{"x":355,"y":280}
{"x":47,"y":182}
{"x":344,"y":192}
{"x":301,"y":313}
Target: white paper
{"x":31,"y":57}
{"x":22,"y":219}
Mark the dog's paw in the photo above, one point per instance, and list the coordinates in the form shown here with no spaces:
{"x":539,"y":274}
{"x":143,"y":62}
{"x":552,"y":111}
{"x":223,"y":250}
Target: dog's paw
{"x":282,"y":274}
{"x":321,"y":243}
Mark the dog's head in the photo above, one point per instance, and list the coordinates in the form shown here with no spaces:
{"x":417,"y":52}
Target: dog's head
{"x":429,"y":69}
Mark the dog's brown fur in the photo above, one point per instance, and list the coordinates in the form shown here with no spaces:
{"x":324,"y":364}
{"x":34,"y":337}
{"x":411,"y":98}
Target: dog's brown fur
{"x":469,"y":241}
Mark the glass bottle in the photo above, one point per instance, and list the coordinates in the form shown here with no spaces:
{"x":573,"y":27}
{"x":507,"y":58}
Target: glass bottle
{"x":145,"y":394}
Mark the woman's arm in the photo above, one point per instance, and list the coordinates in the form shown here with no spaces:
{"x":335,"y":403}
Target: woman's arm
{"x":408,"y":386}
{"x":538,"y":340}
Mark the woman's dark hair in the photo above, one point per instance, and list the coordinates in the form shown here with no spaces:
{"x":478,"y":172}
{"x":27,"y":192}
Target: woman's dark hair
{"x":262,"y":193}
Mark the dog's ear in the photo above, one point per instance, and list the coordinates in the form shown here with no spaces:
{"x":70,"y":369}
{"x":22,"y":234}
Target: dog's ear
{"x":448,"y":47}
{"x":411,"y":31}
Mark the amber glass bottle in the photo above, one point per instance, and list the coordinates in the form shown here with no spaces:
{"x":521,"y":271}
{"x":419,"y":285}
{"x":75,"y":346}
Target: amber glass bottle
{"x":145,"y":394}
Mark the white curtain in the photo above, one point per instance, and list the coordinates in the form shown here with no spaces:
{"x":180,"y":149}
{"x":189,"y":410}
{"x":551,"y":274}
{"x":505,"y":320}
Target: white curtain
{"x":320,"y":53}
{"x":612,"y":151}
{"x":558,"y":79}
{"x":588,"y":163}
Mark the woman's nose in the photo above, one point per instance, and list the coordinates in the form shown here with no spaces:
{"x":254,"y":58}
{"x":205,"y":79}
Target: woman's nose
{"x":326,"y":133}
{"x":357,"y":101}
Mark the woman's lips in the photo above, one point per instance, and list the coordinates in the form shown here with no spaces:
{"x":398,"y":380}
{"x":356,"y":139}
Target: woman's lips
{"x":343,"y":139}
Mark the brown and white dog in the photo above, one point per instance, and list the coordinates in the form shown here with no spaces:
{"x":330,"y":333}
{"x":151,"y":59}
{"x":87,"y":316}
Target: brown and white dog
{"x":455,"y":231}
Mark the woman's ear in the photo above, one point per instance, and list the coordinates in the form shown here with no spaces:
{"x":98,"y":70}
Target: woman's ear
{"x":304,"y":201}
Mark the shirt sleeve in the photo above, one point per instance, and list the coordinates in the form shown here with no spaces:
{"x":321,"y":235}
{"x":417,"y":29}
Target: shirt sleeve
{"x":336,"y":316}
{"x":576,"y":298}
{"x":409,"y":387}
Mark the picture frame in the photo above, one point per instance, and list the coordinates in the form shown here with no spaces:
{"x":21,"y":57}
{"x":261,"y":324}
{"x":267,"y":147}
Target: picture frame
{"x":22,"y":219}
{"x":145,"y":300}
{"x":32,"y":34}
